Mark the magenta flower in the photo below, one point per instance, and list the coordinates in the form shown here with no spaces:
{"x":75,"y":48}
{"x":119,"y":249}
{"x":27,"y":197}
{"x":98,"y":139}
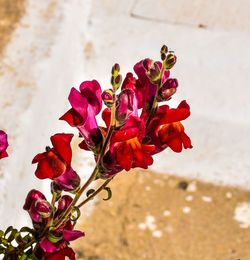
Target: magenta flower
{"x":3,"y":144}
{"x":86,"y":104}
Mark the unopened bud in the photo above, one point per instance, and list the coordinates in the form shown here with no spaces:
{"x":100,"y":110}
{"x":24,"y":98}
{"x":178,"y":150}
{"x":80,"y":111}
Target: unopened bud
{"x":169,"y":62}
{"x":42,"y":207}
{"x":116,"y":81}
{"x":167,"y":90}
{"x":164,"y":50}
{"x":115,"y":69}
{"x":152,"y":69}
{"x":108,"y":97}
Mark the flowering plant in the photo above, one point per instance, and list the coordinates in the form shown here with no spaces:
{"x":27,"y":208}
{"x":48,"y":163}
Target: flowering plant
{"x":136,"y":128}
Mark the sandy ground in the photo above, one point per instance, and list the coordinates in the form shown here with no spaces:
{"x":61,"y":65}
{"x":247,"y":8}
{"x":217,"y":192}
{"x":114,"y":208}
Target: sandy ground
{"x":161,"y":217}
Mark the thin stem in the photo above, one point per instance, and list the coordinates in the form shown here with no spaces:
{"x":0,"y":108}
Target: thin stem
{"x":94,"y":173}
{"x":95,"y":193}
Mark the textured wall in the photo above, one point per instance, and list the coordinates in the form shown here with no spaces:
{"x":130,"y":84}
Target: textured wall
{"x":58,"y":44}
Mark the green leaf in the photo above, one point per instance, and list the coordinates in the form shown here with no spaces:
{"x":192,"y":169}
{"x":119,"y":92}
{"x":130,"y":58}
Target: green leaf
{"x":1,"y":233}
{"x":12,"y":235}
{"x":9,"y":229}
{"x":89,"y":192}
{"x":109,"y":193}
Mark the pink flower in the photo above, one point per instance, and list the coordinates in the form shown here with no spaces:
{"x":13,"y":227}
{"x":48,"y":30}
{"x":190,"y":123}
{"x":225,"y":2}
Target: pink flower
{"x":3,"y":144}
{"x":86,"y":104}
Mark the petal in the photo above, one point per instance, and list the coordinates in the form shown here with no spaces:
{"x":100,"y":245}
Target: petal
{"x":39,"y":157}
{"x":48,"y":246}
{"x":176,"y":114}
{"x":51,"y":167}
{"x":64,"y":203}
{"x":32,"y":195}
{"x":68,"y":181}
{"x":106,"y":116}
{"x":72,"y":235}
{"x":3,"y":141}
{"x":186,"y":141}
{"x":61,"y":143}
{"x":73,"y":118}
{"x":78,"y":103}
{"x":91,"y":90}
{"x":175,"y":144}
{"x":3,"y":154}
{"x":124,"y":135}
{"x":124,"y":155}
{"x":60,"y":255}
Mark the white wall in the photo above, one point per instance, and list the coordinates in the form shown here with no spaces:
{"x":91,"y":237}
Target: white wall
{"x":61,"y":43}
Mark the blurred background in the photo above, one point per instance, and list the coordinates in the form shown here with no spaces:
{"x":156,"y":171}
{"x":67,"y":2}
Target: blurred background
{"x":47,"y":47}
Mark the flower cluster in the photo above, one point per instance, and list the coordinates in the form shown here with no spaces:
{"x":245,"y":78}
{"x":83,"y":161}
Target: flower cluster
{"x":136,"y":126}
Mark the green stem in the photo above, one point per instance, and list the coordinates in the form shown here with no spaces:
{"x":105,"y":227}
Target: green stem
{"x":94,"y":173}
{"x":95,"y":193}
{"x":154,"y":106}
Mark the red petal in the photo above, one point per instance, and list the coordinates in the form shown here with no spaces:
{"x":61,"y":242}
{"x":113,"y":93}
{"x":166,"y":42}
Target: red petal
{"x":60,"y":255}
{"x":124,"y":155}
{"x":39,"y":157}
{"x":51,"y":167}
{"x":61,"y":142}
{"x":72,"y":118}
{"x":186,"y":141}
{"x":106,"y":116}
{"x":84,"y":146}
{"x":176,"y":114}
{"x":3,"y":154}
{"x":175,"y":144}
{"x":124,"y":135}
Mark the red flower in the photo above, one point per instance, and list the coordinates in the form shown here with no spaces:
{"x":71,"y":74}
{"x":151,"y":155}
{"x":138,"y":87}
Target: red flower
{"x":126,"y":148}
{"x":60,"y":255}
{"x":55,"y":161}
{"x":165,"y":130}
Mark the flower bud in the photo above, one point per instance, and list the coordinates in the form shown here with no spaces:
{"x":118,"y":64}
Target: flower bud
{"x":115,"y":69}
{"x":169,"y":62}
{"x":126,"y":104}
{"x":43,"y":208}
{"x":108,"y":97}
{"x":164,"y":50}
{"x":116,"y":78}
{"x":167,"y":89}
{"x":152,"y":69}
{"x":37,"y":206}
